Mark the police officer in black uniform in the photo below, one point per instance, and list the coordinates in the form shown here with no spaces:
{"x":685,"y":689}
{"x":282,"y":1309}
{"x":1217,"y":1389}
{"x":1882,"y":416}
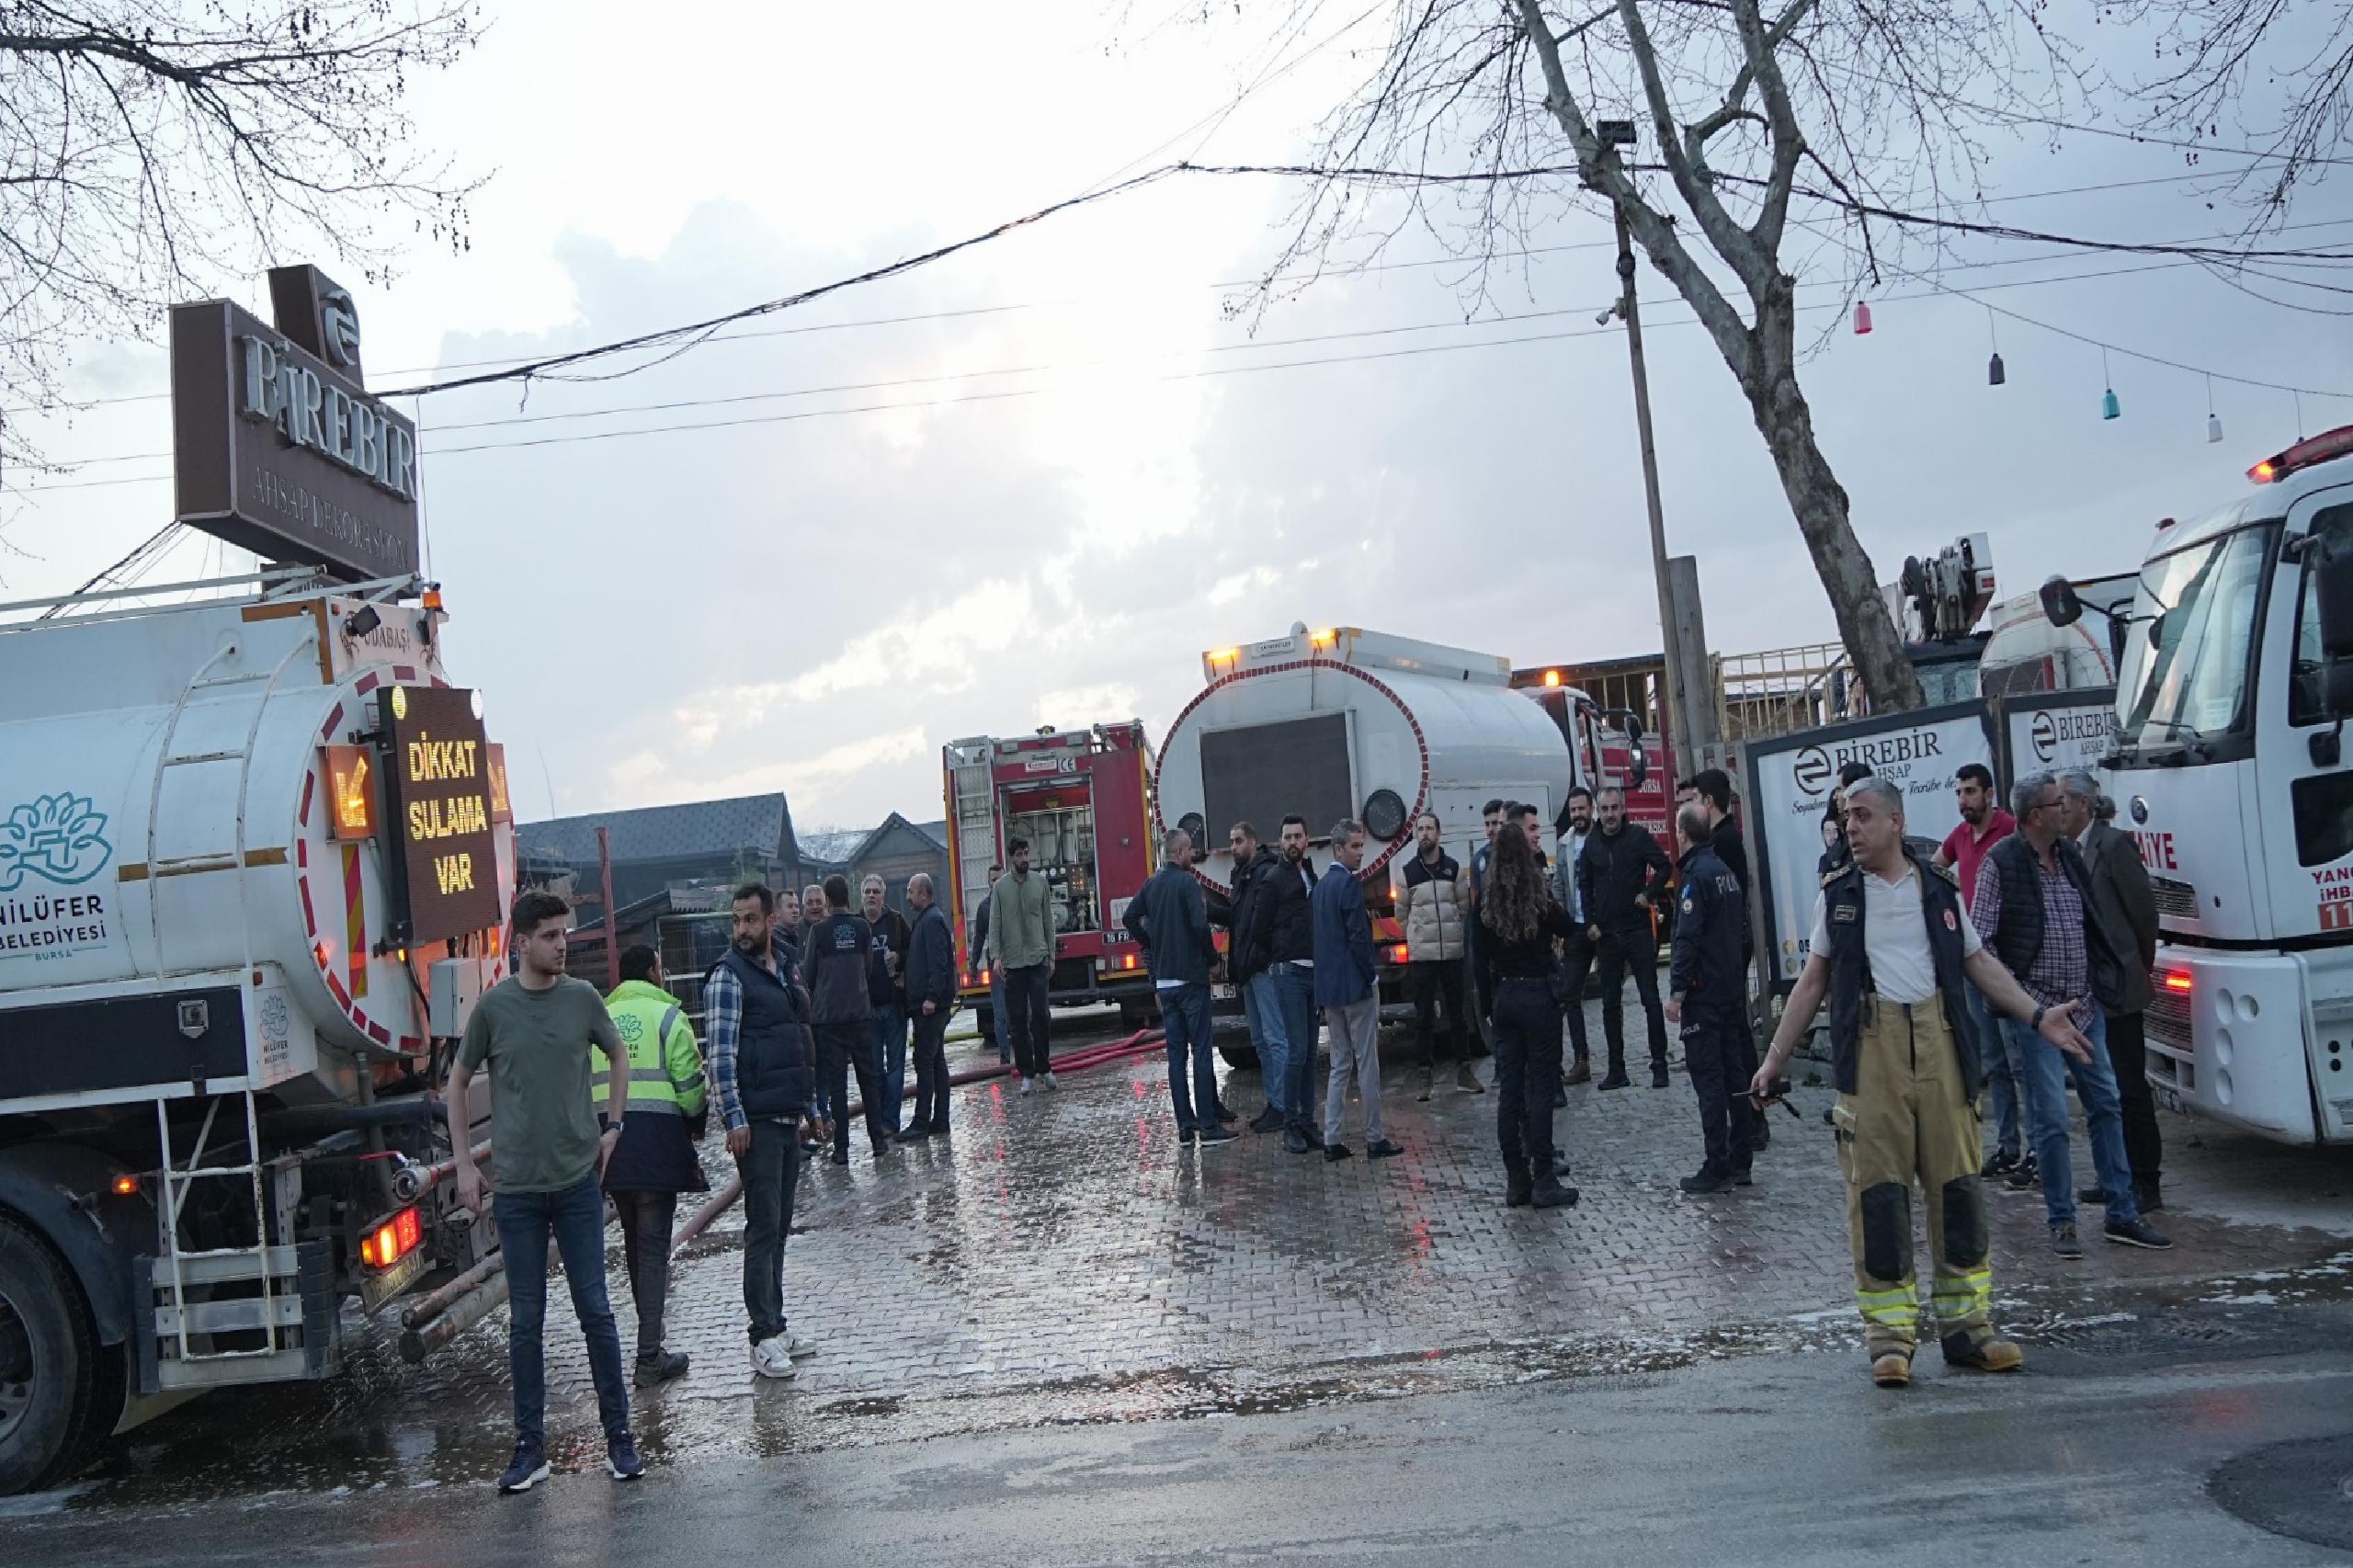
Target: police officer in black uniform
{"x":1710,"y":1003}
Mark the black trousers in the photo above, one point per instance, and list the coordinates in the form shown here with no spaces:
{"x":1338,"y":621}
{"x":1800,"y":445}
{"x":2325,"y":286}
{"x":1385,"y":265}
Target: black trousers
{"x":1528,"y":1066}
{"x":1577,"y":963}
{"x":931,"y":1071}
{"x":1721,"y":1055}
{"x":1636,"y":948}
{"x":1024,"y":1002}
{"x":842,"y":1049}
{"x":647,"y":1219}
{"x":771,"y":1169}
{"x":1427,"y":981}
{"x":2127,"y":1053}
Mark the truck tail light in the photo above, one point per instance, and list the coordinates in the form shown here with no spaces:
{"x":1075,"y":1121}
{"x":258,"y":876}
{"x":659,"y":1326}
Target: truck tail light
{"x":351,"y":793}
{"x":1128,"y":960}
{"x":392,"y":1239}
{"x":2174,"y":980}
{"x":1398,"y":954}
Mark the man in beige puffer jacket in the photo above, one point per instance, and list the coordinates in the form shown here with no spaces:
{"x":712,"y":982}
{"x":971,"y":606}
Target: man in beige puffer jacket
{"x":1436,"y":910}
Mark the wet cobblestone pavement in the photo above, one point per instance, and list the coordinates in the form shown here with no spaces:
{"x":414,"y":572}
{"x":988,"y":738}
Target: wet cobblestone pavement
{"x":1062,"y":1259}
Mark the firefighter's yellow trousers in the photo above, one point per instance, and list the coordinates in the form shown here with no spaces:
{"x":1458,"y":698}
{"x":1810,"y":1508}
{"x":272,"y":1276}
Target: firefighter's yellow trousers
{"x":1910,"y":1119}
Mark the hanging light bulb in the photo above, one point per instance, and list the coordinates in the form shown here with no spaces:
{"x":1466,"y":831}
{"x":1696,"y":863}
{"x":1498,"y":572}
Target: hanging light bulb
{"x":2213,"y":428}
{"x":1995,"y":374}
{"x":2108,"y":407}
{"x":1862,"y":317}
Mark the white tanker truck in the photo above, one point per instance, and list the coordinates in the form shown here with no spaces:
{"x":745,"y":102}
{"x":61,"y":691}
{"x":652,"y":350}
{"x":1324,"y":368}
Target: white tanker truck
{"x":255,"y":863}
{"x":1344,"y":723}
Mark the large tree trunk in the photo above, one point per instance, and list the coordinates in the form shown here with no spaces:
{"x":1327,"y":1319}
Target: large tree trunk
{"x":1819,"y":503}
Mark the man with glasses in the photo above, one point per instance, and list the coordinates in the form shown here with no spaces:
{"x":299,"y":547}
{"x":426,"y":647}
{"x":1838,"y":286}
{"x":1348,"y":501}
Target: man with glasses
{"x":2036,"y":909}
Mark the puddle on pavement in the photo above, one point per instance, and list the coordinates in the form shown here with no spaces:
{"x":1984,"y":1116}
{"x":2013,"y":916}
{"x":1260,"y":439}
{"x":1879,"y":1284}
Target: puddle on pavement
{"x":313,"y":1441}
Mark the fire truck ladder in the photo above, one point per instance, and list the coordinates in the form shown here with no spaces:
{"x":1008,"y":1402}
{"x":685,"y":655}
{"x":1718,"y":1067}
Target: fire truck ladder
{"x":975,"y":826}
{"x":278,"y":1308}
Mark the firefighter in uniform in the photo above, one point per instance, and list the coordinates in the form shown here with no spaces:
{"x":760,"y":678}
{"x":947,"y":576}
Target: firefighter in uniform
{"x":1710,"y":1003}
{"x":1890,"y":947}
{"x":655,"y":1159}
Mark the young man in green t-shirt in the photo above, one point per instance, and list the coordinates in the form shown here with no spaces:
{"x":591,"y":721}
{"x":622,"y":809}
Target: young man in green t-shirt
{"x":535,"y":1028}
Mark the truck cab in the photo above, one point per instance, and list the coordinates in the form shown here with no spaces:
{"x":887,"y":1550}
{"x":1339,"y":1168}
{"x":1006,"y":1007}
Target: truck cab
{"x":2235,"y":684}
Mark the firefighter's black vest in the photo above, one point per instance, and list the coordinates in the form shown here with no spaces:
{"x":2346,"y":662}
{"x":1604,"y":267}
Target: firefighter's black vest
{"x":1851,"y":969}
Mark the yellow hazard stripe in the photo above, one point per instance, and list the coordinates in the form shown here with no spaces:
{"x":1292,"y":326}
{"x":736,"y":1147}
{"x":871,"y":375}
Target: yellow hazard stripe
{"x":1889,"y":1309}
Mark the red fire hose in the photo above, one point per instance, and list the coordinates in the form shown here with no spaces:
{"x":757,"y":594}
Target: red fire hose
{"x":724,"y":1198}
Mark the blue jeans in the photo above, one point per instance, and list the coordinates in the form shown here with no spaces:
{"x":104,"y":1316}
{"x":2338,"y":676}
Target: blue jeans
{"x":2005,"y":1080}
{"x":891,"y":1050}
{"x":2045,"y":1079}
{"x":1184,"y":1020}
{"x":1295,"y":989}
{"x":575,"y":1218}
{"x":1262,"y":1004}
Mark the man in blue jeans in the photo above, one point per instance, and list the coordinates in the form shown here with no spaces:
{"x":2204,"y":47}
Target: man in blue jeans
{"x":534,"y":1029}
{"x":1169,"y":919}
{"x":1244,"y":914}
{"x":2035,"y":909}
{"x":1289,"y":886}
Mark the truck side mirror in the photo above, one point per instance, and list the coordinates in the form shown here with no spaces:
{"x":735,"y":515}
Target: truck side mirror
{"x":1634,"y":729}
{"x":2059,"y":605}
{"x":1638,"y":761}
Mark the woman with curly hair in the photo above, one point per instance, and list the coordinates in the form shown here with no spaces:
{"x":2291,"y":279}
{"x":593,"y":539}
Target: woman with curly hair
{"x":1519,"y":921}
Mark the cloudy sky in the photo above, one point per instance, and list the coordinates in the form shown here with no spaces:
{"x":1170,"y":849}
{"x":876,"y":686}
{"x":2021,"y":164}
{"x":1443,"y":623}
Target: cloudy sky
{"x":1032,"y":483}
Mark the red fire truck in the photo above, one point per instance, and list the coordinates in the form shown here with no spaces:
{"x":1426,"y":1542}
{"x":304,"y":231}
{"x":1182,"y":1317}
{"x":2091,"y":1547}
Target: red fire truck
{"x":1083,"y":799}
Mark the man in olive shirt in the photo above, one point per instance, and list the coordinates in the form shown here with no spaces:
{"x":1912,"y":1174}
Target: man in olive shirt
{"x":534,"y":1029}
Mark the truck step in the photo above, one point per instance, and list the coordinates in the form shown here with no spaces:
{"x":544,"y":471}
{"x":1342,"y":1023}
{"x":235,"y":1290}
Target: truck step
{"x":228,"y":1263}
{"x":224,"y":1317}
{"x":233,"y":1368}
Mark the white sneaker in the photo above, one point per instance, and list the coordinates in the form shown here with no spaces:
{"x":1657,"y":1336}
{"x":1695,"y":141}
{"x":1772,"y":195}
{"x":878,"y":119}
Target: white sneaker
{"x":770,"y":1360}
{"x":1028,"y":1087}
{"x":797,"y":1346}
{"x":1050,"y":1082}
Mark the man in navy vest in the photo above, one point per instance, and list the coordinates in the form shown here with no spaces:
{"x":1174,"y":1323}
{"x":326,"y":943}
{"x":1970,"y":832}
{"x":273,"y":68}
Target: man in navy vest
{"x":764,"y":1063}
{"x":1891,"y":947}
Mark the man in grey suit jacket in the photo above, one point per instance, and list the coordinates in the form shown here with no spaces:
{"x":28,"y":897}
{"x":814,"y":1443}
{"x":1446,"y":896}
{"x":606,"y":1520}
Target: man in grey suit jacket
{"x":2127,"y":906}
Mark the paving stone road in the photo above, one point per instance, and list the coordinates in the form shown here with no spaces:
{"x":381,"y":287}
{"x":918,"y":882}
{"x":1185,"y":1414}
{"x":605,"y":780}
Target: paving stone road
{"x":1063,"y":1258}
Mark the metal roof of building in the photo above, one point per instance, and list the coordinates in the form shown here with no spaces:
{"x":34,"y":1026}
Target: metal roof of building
{"x":757,"y":823}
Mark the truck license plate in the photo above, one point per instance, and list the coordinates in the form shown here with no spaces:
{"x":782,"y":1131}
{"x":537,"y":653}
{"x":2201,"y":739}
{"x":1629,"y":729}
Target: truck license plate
{"x":375,"y":1289}
{"x":2169,"y":1098}
{"x":1221,"y":993}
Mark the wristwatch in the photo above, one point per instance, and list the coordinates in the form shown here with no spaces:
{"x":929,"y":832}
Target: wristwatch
{"x":2037,"y":1022}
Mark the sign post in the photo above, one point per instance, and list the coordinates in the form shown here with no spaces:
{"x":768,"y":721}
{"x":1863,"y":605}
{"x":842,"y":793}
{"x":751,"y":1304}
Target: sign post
{"x":1790,"y":781}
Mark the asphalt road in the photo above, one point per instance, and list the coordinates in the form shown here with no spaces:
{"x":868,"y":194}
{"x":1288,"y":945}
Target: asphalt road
{"x":2100,"y":1453}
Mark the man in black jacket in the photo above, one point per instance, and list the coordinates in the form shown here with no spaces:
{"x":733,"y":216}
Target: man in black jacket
{"x":1169,"y":920}
{"x":1244,"y":914}
{"x":836,"y":960}
{"x":887,"y":984}
{"x":930,"y":976}
{"x":1710,"y":1003}
{"x":1620,"y":877}
{"x":1291,"y":953}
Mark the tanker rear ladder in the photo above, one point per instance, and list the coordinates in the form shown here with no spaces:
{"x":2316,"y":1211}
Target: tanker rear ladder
{"x":260,"y":1262}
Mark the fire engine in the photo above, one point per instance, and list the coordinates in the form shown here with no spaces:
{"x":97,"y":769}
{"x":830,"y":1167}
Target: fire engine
{"x":1083,"y":799}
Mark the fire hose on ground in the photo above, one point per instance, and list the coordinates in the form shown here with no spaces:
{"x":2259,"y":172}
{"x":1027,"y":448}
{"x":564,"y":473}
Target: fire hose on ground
{"x":434,"y":1319}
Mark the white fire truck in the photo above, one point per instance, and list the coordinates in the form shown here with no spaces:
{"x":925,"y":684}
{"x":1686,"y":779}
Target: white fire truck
{"x":255,"y":863}
{"x":2232,"y":697}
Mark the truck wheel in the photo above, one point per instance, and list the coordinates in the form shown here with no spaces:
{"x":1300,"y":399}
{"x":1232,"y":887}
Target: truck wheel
{"x":1137,"y":1015}
{"x":54,"y":1375}
{"x":1243,"y":1058}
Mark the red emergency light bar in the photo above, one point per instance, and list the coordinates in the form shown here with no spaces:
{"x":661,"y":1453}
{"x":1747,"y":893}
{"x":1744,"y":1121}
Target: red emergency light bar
{"x":2320,"y":449}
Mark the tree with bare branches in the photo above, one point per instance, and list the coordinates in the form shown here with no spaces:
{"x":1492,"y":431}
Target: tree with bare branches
{"x":1766,"y":132}
{"x":153,"y":152}
{"x":2279,"y":72}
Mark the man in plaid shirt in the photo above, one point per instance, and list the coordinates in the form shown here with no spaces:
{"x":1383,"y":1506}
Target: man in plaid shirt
{"x":2034,"y":908}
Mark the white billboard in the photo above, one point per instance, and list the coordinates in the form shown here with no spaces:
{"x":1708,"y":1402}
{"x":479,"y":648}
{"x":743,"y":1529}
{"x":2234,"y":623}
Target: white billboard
{"x":2054,"y":732}
{"x":1790,"y":777}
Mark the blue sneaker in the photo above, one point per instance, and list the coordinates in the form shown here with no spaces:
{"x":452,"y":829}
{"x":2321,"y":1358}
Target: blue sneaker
{"x":622,"y":1453}
{"x":530,"y":1468}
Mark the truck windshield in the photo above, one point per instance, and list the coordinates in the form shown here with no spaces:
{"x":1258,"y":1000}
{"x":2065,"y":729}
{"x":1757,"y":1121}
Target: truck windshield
{"x":2185,"y":672}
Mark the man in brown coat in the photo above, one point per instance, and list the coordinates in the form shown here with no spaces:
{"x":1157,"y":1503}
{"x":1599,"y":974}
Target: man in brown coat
{"x":2127,"y":904}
